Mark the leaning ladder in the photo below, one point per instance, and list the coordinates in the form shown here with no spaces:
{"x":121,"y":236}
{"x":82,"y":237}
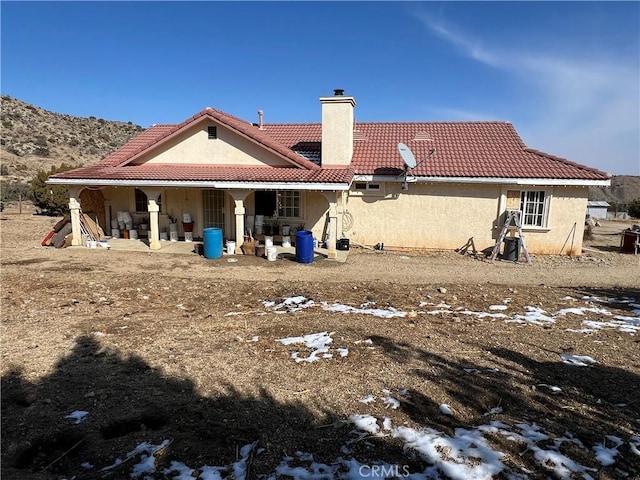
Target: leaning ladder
{"x":515,"y":217}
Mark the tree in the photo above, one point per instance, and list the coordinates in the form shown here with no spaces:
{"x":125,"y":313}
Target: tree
{"x":52,"y":198}
{"x":634,"y":208}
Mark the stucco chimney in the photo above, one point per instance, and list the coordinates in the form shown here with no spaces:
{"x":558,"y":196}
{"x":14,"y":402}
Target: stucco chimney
{"x":337,"y":129}
{"x":260,"y":120}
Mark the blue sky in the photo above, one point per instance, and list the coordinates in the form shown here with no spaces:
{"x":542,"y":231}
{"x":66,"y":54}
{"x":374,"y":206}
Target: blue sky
{"x":566,"y":74}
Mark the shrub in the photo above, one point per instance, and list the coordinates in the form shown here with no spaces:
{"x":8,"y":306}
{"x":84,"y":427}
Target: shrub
{"x":634,"y":208}
{"x":4,"y":170}
{"x":12,"y":191}
{"x":53,"y":198}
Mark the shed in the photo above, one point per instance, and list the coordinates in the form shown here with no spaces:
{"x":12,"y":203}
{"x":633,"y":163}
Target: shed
{"x":597,"y":209}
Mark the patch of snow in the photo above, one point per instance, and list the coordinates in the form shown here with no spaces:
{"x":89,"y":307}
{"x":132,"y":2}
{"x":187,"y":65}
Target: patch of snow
{"x":255,"y":338}
{"x":78,"y":416}
{"x":445,"y":409}
{"x":483,"y":314}
{"x":368,"y":399}
{"x":577,"y":360}
{"x":391,"y":402}
{"x":606,"y":455}
{"x":386,"y":423}
{"x":498,"y":307}
{"x":389,"y":312}
{"x":366,"y":423}
{"x":534,"y":315}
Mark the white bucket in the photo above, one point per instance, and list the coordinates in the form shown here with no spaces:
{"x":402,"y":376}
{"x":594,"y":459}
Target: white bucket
{"x":250,"y":222}
{"x":114,"y":224}
{"x":286,"y":229}
{"x":115,"y":233}
{"x":173,"y":227}
{"x":286,"y":241}
{"x":258,"y":229}
{"x":133,"y":234}
{"x":128,"y":225}
{"x":126,"y":217}
{"x":173,"y":235}
{"x":231,"y":248}
{"x":186,"y":218}
{"x":259,"y":219}
{"x":121,"y":226}
{"x":188,"y":236}
{"x":164,"y":236}
{"x":272,"y":254}
{"x":268,"y":241}
{"x":92,"y":244}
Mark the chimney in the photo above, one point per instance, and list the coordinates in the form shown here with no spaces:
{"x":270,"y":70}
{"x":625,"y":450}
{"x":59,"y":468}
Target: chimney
{"x":337,"y":129}
{"x":260,"y":120}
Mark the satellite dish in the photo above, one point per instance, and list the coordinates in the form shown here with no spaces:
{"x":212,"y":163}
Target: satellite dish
{"x":407,"y":155}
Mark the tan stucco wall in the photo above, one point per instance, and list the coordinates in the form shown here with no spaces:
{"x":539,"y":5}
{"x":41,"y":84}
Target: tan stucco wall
{"x":445,"y":216}
{"x":194,"y":147}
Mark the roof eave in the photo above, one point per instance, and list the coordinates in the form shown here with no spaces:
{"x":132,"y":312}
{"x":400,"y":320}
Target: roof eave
{"x":577,"y":182}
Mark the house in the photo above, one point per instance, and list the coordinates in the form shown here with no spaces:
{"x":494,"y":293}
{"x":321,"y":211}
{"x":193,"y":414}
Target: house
{"x":339,"y":178}
{"x":597,"y":209}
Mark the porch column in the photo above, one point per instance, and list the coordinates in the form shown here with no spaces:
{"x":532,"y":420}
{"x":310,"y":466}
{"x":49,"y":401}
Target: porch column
{"x":238,"y":199}
{"x":74,"y":213}
{"x":153,"y":208}
{"x":332,"y":197}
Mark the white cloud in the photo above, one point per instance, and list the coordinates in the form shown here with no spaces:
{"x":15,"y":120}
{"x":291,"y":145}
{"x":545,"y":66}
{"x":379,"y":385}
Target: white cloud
{"x":585,"y":109}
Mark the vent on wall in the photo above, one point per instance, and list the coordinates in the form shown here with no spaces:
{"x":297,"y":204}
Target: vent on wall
{"x":212,"y":133}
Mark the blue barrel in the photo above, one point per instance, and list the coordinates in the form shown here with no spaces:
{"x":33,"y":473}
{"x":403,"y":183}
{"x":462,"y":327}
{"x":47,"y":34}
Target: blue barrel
{"x":212,"y":242}
{"x":304,"y":246}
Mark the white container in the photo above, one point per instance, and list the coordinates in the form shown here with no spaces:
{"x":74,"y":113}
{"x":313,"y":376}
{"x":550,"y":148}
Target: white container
{"x":133,"y":234}
{"x":115,"y":233}
{"x":250,"y":222}
{"x":258,"y":227}
{"x":92,"y":244}
{"x":128,"y":225}
{"x":286,"y":229}
{"x":272,"y":254}
{"x":315,"y":242}
{"x":173,"y":235}
{"x":259,"y":219}
{"x":121,"y":226}
{"x":188,"y":236}
{"x":286,"y":241}
{"x":231,"y":248}
{"x":186,"y":218}
{"x":114,"y":224}
{"x":164,"y":236}
{"x":268,"y":241}
{"x":120,"y":217}
{"x":126,"y":217}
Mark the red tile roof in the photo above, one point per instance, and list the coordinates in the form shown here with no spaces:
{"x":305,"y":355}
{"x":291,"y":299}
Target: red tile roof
{"x":164,"y":172}
{"x":462,"y":149}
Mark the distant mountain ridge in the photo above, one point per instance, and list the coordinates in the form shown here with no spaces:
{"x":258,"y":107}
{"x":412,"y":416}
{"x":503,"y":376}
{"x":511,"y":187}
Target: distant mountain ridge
{"x":33,"y":139}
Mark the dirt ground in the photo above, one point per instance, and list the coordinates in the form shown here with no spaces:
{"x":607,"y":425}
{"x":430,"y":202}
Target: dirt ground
{"x":184,"y":348}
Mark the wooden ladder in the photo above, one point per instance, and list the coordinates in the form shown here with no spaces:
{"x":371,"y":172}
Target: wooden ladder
{"x":515,"y":217}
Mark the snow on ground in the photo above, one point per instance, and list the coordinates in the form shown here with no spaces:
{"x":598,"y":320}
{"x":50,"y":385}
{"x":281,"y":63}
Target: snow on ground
{"x":532,"y":315}
{"x":577,"y":360}
{"x":78,"y":415}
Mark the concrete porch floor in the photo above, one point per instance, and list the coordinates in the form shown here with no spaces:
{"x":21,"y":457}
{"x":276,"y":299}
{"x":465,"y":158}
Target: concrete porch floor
{"x":192,"y":248}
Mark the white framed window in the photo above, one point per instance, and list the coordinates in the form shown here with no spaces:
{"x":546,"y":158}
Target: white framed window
{"x":286,"y":203}
{"x":369,"y":188}
{"x":533,"y":205}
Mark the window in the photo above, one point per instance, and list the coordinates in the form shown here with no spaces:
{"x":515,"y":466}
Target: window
{"x":213,"y":208}
{"x":364,"y":188}
{"x":287,"y":203}
{"x":212,"y":133}
{"x":142,"y":202}
{"x":532,"y":205}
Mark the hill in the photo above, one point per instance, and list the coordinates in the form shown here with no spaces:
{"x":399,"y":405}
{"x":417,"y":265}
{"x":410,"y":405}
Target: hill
{"x":623,"y":190}
{"x":33,"y":139}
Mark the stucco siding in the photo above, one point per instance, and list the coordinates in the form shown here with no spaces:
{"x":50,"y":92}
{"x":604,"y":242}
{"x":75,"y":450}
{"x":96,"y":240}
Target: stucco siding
{"x":438,"y":216}
{"x":194,"y":147}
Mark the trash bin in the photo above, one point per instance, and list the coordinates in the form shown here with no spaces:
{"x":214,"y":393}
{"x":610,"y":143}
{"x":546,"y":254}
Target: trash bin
{"x":511,"y":250}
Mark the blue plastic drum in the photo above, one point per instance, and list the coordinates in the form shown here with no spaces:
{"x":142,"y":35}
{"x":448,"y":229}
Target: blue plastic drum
{"x":212,"y":242}
{"x":304,"y":246}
